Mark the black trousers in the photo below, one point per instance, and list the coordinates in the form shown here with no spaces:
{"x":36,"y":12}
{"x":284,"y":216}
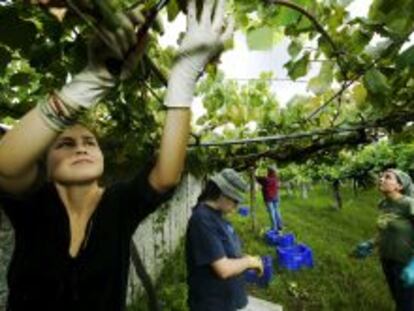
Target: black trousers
{"x":403,"y":296}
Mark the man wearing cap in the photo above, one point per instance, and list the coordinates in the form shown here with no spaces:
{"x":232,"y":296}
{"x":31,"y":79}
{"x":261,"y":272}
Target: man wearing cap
{"x":395,"y":238}
{"x":270,"y":190}
{"x":213,"y":252}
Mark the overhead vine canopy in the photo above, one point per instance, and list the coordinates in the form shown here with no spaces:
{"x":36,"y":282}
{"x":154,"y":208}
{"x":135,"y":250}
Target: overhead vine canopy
{"x":365,"y":83}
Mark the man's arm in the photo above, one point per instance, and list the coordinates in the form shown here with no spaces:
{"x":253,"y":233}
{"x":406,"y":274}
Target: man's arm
{"x":260,"y":179}
{"x":229,"y":267}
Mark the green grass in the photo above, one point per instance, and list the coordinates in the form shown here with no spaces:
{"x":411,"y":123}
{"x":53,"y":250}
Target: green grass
{"x":337,"y":282}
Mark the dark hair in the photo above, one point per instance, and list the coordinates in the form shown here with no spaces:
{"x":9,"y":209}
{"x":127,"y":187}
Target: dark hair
{"x":210,"y":192}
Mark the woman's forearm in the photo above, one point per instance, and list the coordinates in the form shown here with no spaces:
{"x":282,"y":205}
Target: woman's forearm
{"x":170,"y":162}
{"x":23,"y":145}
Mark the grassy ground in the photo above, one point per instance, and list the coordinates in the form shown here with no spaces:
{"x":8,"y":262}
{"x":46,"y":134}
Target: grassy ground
{"x":337,"y":282}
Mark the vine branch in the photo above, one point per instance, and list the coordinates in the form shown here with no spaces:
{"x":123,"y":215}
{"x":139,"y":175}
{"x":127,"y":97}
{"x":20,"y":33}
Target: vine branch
{"x":336,"y":51}
{"x":312,"y":18}
{"x":347,"y":84}
{"x":394,"y":118}
{"x":300,"y":153}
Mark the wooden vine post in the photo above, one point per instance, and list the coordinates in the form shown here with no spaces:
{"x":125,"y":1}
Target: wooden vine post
{"x":253,"y":199}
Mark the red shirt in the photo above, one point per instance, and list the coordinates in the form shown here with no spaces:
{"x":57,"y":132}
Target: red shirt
{"x":270,"y":186}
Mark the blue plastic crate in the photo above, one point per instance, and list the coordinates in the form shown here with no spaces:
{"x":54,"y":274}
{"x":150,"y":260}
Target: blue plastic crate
{"x":289,"y":258}
{"x":285,"y":240}
{"x":265,"y":279}
{"x":271,"y":237}
{"x":295,"y":257}
{"x":307,"y":259}
{"x":251,"y":276}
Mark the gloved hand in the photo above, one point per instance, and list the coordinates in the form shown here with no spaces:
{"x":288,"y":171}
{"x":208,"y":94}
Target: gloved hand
{"x":89,"y":86}
{"x":385,"y":220}
{"x":407,"y":275}
{"x":203,"y":40}
{"x":364,"y":249}
{"x":256,"y":263}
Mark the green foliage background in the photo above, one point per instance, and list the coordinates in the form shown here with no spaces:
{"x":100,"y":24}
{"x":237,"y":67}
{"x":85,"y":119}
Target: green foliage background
{"x":357,"y":120}
{"x":359,"y":83}
{"x":337,"y":281}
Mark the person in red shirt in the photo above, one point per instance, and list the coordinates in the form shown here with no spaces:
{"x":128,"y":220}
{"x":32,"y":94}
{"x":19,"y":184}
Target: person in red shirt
{"x":270,"y":190}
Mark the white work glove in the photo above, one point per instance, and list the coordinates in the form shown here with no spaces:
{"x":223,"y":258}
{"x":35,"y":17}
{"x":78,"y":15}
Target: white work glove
{"x":203,"y":40}
{"x":116,"y":47}
{"x":116,"y":50}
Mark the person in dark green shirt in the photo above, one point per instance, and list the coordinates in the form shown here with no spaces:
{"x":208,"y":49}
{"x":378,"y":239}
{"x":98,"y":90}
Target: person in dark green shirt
{"x":395,"y":239}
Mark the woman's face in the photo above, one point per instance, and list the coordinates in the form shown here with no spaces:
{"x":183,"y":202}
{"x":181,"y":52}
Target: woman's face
{"x":75,"y":157}
{"x":388,"y":183}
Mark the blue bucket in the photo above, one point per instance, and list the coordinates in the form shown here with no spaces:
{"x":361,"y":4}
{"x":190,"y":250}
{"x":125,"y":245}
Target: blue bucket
{"x":307,"y":259}
{"x":271,"y":237}
{"x":251,"y":276}
{"x":289,"y":258}
{"x":295,"y":257}
{"x":286,"y":240}
{"x":244,"y":211}
{"x":265,"y":279}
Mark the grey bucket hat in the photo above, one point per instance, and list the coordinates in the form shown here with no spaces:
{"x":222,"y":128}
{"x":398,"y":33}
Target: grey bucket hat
{"x":230,"y":183}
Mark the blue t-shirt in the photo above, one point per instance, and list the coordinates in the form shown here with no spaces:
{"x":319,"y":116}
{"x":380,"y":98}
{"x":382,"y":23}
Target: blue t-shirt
{"x":209,"y":238}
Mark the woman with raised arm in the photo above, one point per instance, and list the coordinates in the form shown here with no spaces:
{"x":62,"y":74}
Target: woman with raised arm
{"x":72,"y":235}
